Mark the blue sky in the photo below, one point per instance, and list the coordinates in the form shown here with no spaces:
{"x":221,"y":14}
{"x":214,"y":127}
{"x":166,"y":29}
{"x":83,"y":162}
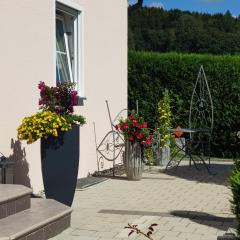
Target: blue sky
{"x":209,"y":6}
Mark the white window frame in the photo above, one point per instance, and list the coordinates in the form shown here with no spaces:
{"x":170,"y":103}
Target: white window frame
{"x":66,"y":46}
{"x":78,"y":43}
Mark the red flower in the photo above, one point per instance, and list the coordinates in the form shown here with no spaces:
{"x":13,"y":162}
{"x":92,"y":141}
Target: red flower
{"x":134,"y":122}
{"x":131,"y":116}
{"x":139,"y":125}
{"x":124,"y":126}
{"x":116,"y":127}
{"x":148,"y":141}
{"x":143,"y":142}
{"x":139,"y":135}
{"x":145,"y":124}
{"x":131,"y":138}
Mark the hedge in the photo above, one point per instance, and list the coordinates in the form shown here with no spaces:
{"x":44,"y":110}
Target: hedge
{"x":150,"y":73}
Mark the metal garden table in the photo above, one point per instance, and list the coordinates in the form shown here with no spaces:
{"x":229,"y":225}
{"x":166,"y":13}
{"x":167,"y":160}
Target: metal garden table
{"x":191,"y":148}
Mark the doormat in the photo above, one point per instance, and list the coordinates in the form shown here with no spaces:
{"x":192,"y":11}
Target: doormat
{"x":84,"y":183}
{"x":119,"y":169}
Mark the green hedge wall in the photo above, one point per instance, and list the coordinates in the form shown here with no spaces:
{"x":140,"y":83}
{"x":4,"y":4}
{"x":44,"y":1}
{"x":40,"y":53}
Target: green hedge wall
{"x":150,"y":73}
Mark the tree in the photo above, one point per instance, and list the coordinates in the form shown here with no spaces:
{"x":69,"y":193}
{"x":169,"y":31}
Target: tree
{"x":135,"y":6}
{"x":153,"y":29}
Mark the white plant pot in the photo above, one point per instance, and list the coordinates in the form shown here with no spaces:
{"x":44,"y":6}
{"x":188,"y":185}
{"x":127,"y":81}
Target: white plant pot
{"x":133,"y":160}
{"x":165,"y":155}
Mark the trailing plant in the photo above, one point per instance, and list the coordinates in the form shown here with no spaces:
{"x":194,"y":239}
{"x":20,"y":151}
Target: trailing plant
{"x":164,"y":110}
{"x":134,"y":228}
{"x":134,"y":128}
{"x":56,"y":115}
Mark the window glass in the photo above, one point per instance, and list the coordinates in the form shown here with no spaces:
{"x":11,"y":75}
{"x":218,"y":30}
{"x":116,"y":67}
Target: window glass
{"x":63,"y":68}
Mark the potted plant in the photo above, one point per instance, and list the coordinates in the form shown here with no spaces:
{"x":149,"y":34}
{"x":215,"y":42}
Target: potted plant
{"x":137,"y":135}
{"x":58,"y":129}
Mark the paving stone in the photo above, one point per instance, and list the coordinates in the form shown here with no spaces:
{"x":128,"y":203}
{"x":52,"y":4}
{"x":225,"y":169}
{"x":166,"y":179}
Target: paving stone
{"x":186,"y":204}
{"x":82,"y":232}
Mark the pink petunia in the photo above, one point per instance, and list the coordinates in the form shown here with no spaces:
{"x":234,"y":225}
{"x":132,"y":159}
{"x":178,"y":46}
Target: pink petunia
{"x":41,"y":85}
{"x":74,"y":98}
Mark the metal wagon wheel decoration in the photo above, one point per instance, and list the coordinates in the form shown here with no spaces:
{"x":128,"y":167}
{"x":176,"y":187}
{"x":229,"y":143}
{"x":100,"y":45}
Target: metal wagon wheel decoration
{"x":201,"y":107}
{"x":111,"y":147}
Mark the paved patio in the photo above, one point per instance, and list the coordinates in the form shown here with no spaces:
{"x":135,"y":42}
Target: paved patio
{"x":186,"y":204}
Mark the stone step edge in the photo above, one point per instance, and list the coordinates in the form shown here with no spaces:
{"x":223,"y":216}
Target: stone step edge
{"x":17,"y":196}
{"x":38,"y":225}
{"x":6,"y":200}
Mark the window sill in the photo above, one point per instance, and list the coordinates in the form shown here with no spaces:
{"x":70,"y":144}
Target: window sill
{"x":81,"y":101}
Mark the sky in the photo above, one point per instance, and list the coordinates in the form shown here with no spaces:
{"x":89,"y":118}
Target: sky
{"x":207,"y":6}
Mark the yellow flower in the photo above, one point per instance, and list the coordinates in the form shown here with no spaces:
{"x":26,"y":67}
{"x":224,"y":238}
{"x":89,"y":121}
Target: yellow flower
{"x":55,"y":133}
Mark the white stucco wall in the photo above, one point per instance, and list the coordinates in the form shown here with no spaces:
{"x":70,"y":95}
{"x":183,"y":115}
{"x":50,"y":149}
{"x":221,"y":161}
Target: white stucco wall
{"x":27,"y":57}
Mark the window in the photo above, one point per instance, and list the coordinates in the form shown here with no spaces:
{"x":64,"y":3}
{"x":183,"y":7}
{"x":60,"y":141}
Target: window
{"x":68,"y":46}
{"x":64,"y":64}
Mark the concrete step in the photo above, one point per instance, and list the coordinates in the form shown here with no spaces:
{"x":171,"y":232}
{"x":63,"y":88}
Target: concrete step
{"x":45,"y":219}
{"x":13,"y":199}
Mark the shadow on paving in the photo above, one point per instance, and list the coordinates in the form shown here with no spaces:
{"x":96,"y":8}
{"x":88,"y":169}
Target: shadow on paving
{"x":220,"y":177}
{"x":221,"y":223}
{"x":124,"y":178}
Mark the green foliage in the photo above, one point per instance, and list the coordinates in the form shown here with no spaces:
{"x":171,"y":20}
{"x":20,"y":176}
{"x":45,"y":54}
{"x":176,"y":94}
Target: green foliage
{"x":150,"y":73}
{"x":75,"y":119}
{"x":149,"y":154}
{"x":235,"y":187}
{"x":165,"y":114}
{"x":154,"y":29}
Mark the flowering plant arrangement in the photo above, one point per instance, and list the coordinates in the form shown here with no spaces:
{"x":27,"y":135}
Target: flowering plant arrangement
{"x":56,"y":115}
{"x":134,"y":128}
{"x":59,"y":99}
